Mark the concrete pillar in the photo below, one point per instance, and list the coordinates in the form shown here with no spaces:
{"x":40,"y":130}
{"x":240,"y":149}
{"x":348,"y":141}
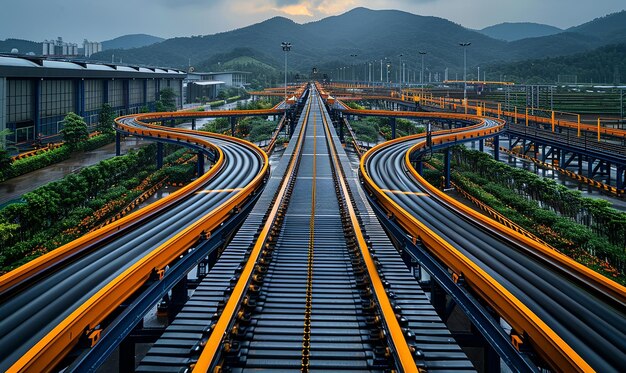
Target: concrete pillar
{"x":446,"y":169}
{"x":619,"y":177}
{"x":419,"y":167}
{"x":392,"y":122}
{"x":159,"y":156}
{"x":590,"y":167}
{"x":200,"y":164}
{"x":481,"y":145}
{"x":193,"y":124}
{"x":118,"y":144}
{"x":496,"y":148}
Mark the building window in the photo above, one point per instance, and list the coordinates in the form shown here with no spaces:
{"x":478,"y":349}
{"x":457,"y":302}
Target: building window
{"x":116,"y":93}
{"x":93,"y":95}
{"x":19,"y":101}
{"x":151,"y":90}
{"x":57,"y":97}
{"x":136,"y":92}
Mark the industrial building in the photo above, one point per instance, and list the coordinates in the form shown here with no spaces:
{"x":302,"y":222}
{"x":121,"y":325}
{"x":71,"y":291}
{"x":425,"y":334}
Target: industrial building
{"x":206,"y":85}
{"x":36,"y":93}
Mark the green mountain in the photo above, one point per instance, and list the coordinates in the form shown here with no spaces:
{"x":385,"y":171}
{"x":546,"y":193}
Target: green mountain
{"x":519,"y":30}
{"x":603,"y":65}
{"x":609,"y":29}
{"x":131,"y":41}
{"x":23,"y":46}
{"x":371,"y":35}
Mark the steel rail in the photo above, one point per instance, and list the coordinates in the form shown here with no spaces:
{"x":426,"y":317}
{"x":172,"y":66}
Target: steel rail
{"x":212,"y":347}
{"x":397,"y":338}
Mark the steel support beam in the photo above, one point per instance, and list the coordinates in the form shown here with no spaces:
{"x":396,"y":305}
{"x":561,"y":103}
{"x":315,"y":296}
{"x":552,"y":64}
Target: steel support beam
{"x":118,"y":144}
{"x":446,"y":161}
{"x":159,"y":155}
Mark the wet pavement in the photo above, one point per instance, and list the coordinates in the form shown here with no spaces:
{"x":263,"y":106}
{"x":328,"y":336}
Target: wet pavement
{"x":14,"y":188}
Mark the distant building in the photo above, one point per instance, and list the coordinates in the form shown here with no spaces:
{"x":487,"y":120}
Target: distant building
{"x":36,"y":93}
{"x":91,"y":47}
{"x":59,"y":48}
{"x":199,"y":86}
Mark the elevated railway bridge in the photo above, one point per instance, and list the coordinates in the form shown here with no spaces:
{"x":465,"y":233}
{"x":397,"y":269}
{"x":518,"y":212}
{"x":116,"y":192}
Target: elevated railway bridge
{"x":310,"y":266}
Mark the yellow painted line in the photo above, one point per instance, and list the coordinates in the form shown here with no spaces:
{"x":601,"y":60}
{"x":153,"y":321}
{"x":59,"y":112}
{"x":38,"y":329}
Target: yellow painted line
{"x":421,"y":194}
{"x":207,"y":191}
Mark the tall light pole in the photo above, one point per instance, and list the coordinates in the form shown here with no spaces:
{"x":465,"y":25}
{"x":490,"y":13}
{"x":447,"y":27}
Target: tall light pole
{"x":422,"y":73}
{"x":286,"y":48}
{"x":400,"y":78}
{"x":353,"y":68}
{"x":465,"y":45}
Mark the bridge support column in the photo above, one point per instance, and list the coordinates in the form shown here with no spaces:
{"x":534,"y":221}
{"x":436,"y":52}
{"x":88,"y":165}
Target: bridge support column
{"x":619,"y":177}
{"x":200,"y":164}
{"x":341,"y":134}
{"x":172,"y":123}
{"x":126,"y":361}
{"x":392,"y":123}
{"x":481,"y":145}
{"x":118,"y":144}
{"x":446,"y":171}
{"x":590,"y":170}
{"x":193,"y":124}
{"x":419,"y":167}
{"x":159,"y":155}
{"x":496,"y":148}
{"x":233,"y":123}
{"x":178,"y":299}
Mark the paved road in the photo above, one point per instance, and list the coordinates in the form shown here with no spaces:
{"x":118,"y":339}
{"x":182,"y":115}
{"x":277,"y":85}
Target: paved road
{"x":16,"y":187}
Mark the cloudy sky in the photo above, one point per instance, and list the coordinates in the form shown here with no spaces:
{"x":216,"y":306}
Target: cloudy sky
{"x":99,"y":20}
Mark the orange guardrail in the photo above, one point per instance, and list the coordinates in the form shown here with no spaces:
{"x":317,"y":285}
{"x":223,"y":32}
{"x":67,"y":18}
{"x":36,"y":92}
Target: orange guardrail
{"x":51,"y":349}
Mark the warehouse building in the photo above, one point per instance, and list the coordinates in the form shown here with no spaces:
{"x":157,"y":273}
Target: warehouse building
{"x":36,"y":93}
{"x":206,"y":86}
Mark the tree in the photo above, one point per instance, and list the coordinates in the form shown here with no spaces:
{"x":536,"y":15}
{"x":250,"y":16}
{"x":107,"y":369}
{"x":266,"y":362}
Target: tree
{"x":106,"y":119}
{"x":5,"y":157}
{"x":167,"y":100}
{"x":74,"y":130}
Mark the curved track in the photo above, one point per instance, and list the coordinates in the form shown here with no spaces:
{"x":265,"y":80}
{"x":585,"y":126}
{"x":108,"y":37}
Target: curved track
{"x":592,"y":325}
{"x":32,"y":313}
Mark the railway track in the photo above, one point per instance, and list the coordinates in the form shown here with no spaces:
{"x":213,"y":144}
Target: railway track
{"x":309,"y":294}
{"x":51,"y":304}
{"x":574,"y":317}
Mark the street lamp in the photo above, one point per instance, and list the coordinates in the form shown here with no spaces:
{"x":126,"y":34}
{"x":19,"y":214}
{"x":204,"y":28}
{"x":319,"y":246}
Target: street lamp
{"x":422,"y":73}
{"x":400,"y":77}
{"x":353,"y":68}
{"x":286,"y":48}
{"x":465,"y":45}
